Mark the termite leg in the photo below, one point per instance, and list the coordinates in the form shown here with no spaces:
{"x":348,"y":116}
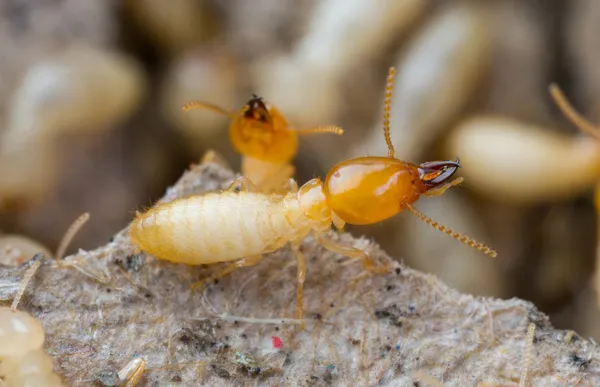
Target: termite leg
{"x":337,"y":222}
{"x":301,"y":276}
{"x":244,"y":262}
{"x":441,"y":189}
{"x":244,"y":183}
{"x":352,"y":252}
{"x":212,"y":157}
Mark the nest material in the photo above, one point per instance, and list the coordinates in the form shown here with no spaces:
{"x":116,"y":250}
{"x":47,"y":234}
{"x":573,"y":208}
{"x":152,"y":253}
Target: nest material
{"x":361,"y":329}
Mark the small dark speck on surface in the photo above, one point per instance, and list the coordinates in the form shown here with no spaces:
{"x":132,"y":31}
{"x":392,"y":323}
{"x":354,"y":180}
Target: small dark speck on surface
{"x":220,"y":372}
{"x":176,"y":378}
{"x":578,"y":362}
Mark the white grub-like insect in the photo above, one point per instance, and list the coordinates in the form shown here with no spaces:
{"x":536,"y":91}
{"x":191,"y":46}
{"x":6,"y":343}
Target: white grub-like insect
{"x":243,"y":226}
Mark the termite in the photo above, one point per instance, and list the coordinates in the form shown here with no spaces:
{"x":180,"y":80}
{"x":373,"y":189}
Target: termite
{"x":266,"y":141}
{"x":241,"y":227}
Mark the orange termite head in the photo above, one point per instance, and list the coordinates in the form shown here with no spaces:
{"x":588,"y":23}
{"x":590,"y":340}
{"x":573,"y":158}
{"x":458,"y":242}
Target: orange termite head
{"x":260,"y":131}
{"x":368,"y":190}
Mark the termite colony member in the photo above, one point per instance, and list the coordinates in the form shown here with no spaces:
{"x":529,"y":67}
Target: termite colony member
{"x":266,"y":141}
{"x":241,"y":227}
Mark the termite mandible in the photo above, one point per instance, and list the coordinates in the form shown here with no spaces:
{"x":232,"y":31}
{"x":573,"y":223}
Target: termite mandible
{"x":241,"y":227}
{"x":265,"y":139}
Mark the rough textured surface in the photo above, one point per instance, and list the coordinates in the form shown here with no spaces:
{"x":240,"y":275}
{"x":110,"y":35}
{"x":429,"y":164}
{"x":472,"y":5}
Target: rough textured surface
{"x":361,"y":329}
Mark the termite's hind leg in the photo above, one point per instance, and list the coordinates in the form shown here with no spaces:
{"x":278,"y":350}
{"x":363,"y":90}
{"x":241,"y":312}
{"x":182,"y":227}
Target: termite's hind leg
{"x":248,"y":261}
{"x":301,"y":276}
{"x":352,"y":252}
{"x":214,"y":157}
{"x":244,"y":183}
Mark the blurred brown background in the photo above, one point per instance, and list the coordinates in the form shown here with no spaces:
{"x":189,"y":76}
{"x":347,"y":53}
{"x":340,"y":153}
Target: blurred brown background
{"x":91,"y":91}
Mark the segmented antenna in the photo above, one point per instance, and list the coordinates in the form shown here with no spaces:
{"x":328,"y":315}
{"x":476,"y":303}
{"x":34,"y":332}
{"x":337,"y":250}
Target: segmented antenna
{"x":71,"y":232}
{"x":463,"y":238}
{"x":321,"y":129}
{"x":386,"y":110}
{"x":205,"y":105}
{"x":527,"y":355}
{"x":572,"y":115}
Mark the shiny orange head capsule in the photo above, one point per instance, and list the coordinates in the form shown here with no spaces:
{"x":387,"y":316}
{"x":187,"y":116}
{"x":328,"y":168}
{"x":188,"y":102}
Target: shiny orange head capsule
{"x":265,"y":139}
{"x":368,"y":190}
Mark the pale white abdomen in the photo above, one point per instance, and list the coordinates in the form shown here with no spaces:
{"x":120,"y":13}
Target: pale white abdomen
{"x":216,"y":227}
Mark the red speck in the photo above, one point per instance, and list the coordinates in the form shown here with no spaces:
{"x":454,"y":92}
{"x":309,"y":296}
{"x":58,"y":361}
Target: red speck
{"x":277,"y":343}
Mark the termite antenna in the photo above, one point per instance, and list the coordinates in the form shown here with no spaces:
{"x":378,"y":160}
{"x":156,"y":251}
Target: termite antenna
{"x":572,"y":115}
{"x":35,"y":263}
{"x":205,"y":105}
{"x":527,"y":355}
{"x":463,"y":238}
{"x":322,"y":129}
{"x":71,"y":232}
{"x":386,"y":110}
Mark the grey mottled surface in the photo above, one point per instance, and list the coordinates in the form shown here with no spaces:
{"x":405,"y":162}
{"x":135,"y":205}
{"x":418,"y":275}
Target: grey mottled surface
{"x":361,"y":330}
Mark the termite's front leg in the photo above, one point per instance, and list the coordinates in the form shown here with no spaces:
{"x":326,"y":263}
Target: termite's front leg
{"x":248,"y":261}
{"x":352,"y":252}
{"x":244,"y":183}
{"x":301,"y":276}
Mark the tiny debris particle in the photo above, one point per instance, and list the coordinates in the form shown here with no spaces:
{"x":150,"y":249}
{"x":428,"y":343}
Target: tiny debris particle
{"x":389,"y":287}
{"x":397,"y":347}
{"x":220,"y":372}
{"x":318,"y":316}
{"x":107,"y":378}
{"x":176,"y":378}
{"x":277,"y":343}
{"x":579,"y":362}
{"x":388,"y":348}
{"x":398,"y":271}
{"x":355,"y":342}
{"x":332,"y":305}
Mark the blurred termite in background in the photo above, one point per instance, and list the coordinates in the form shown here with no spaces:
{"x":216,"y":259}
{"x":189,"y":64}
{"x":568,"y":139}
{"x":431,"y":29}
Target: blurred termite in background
{"x":342,"y":38}
{"x":243,"y":226}
{"x":266,"y":140}
{"x":587,"y":127}
{"x":80,"y":90}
